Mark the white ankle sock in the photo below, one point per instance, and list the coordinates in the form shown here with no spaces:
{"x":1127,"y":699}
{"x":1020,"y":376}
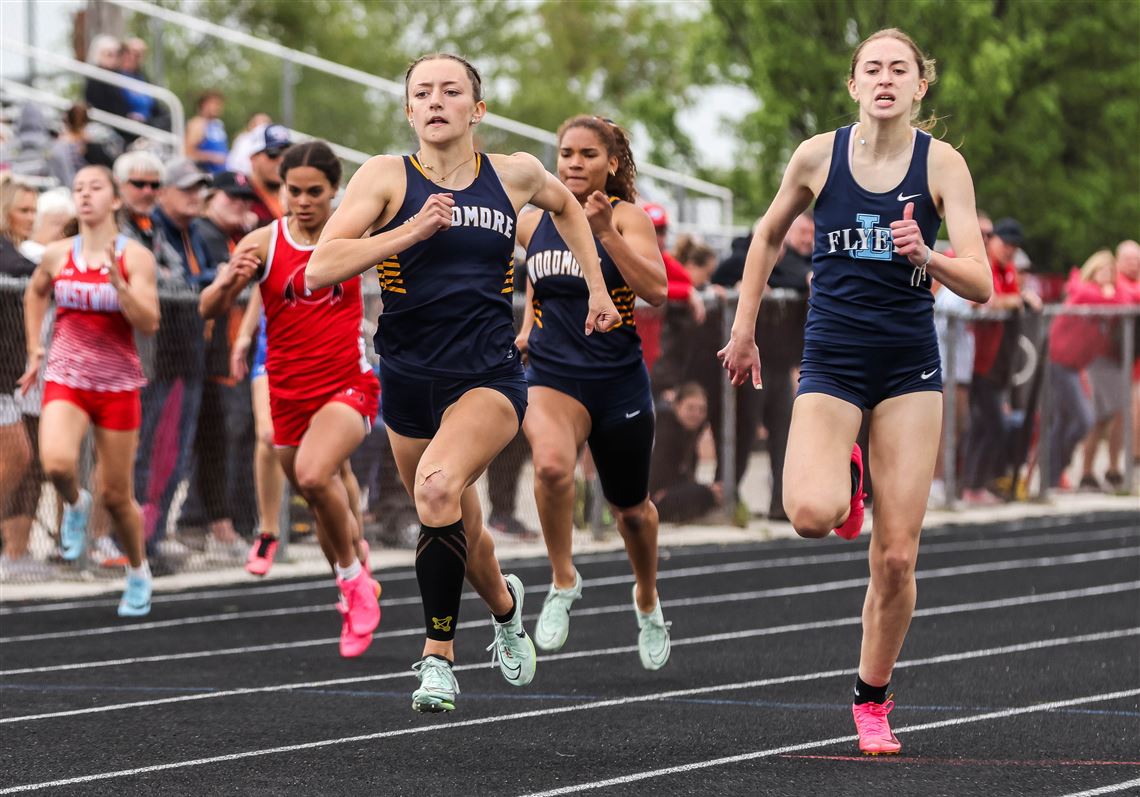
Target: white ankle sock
{"x":143,"y":570}
{"x":348,"y":573}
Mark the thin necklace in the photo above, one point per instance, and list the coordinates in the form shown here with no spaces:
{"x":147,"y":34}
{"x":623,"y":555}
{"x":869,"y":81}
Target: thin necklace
{"x":863,"y":142}
{"x":443,"y":177}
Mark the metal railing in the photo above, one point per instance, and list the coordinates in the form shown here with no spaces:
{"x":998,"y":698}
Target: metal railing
{"x":292,"y":58}
{"x":19,"y":91}
{"x":167,"y":97}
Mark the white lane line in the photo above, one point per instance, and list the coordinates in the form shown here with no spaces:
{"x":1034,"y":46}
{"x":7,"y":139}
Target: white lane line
{"x":942,"y":572}
{"x":774,"y":751}
{"x":612,"y":651}
{"x":1105,"y":589}
{"x":678,"y":693}
{"x":792,"y":561}
{"x":1110,"y":789}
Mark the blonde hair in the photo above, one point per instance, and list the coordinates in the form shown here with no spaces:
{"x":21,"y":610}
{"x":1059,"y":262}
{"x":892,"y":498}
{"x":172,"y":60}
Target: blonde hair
{"x":1095,"y":263}
{"x":10,"y":188}
{"x":926,"y":68}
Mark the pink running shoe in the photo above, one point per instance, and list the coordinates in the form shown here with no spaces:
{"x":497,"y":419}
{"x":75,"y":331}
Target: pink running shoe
{"x":261,"y":555}
{"x":851,"y":527}
{"x":875,"y":736}
{"x":360,"y":607}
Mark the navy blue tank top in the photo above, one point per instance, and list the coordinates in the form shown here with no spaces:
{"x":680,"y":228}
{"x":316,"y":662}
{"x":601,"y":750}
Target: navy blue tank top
{"x":447,"y":300}
{"x":558,"y":342}
{"x":861,"y":290}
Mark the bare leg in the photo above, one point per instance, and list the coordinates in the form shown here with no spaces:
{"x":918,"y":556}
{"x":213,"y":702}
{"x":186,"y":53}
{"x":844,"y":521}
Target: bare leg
{"x":556,"y":426}
{"x":638,"y":526}
{"x":267,"y":473}
{"x":817,"y":471}
{"x":115,"y":455}
{"x":63,"y":426}
{"x":903,"y":447}
{"x":334,"y":433}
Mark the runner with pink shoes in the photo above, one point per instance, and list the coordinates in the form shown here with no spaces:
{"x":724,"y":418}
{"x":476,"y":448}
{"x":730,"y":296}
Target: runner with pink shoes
{"x":882,"y":188}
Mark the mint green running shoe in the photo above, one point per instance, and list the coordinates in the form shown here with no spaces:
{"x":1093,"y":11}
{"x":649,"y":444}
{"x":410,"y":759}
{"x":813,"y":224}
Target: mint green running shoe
{"x":438,"y":686}
{"x":553,"y":624}
{"x":136,"y":597}
{"x":511,"y":647}
{"x":653,"y":638}
{"x":73,"y":530}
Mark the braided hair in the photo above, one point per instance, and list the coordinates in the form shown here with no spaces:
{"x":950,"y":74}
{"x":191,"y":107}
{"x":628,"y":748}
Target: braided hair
{"x":314,"y":153}
{"x":616,"y":141}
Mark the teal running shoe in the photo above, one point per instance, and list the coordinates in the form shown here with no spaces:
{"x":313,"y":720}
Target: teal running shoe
{"x":553,"y":624}
{"x":653,"y":638}
{"x":73,"y":531}
{"x":438,"y":686}
{"x":136,"y":597}
{"x":511,"y":647}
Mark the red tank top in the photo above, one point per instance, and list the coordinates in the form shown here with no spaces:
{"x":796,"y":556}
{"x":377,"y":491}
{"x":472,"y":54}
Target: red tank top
{"x":314,"y":343}
{"x":93,"y":345}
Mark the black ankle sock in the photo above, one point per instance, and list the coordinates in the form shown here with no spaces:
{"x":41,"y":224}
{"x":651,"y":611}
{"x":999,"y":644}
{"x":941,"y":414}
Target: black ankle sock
{"x":441,"y":564}
{"x":865,"y":693}
{"x":506,"y":618}
{"x":444,"y":659}
{"x":854,"y":480}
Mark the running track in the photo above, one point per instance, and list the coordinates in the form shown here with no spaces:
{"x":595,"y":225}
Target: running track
{"x":1021,"y":675}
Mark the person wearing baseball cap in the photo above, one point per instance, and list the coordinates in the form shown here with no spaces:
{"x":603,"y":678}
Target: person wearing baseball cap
{"x":267,"y":144}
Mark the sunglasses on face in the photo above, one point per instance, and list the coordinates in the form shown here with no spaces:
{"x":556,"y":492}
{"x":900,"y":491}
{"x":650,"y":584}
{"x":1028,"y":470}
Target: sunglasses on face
{"x":153,"y":185}
{"x":273,"y":154}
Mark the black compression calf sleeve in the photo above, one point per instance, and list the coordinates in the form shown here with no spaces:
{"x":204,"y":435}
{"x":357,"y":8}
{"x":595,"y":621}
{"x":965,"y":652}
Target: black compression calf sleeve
{"x":441,"y":564}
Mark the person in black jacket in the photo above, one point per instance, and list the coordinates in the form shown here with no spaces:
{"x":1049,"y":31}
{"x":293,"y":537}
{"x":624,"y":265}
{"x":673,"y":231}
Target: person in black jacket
{"x":673,"y":483}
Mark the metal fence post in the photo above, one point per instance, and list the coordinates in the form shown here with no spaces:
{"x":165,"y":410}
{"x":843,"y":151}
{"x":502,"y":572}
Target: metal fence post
{"x":727,"y":452}
{"x":158,"y":61}
{"x":1128,"y":353}
{"x":285,"y":524}
{"x":1045,"y":416}
{"x":950,"y":417}
{"x":288,"y":86}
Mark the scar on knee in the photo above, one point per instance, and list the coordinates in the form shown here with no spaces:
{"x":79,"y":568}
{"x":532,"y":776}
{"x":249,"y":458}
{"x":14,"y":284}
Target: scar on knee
{"x":427,"y":474}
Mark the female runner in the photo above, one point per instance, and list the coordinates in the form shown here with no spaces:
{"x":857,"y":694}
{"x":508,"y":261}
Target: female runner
{"x":104,"y":288}
{"x":322,"y":392}
{"x":593,"y":389}
{"x":454,"y":390}
{"x":881,"y":188}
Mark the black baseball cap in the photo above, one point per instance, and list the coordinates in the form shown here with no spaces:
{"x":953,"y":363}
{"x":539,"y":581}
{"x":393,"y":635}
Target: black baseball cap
{"x":234,"y":184}
{"x":1010,"y":231}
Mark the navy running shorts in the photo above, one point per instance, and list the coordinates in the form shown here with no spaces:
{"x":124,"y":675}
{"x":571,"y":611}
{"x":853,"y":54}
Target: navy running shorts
{"x":865,"y":376}
{"x":413,"y":406}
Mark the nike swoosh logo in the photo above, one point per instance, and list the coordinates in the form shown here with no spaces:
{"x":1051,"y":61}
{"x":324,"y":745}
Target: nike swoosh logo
{"x":902,"y":198}
{"x":928,"y":374}
{"x":632,"y":414}
{"x":512,"y":673}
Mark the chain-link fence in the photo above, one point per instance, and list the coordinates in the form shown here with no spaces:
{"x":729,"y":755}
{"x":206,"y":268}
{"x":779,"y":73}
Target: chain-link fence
{"x":194,"y":470}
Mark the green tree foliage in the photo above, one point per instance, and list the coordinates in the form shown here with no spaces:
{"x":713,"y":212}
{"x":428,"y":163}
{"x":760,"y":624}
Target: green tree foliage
{"x":1042,"y":97}
{"x":541,"y":63}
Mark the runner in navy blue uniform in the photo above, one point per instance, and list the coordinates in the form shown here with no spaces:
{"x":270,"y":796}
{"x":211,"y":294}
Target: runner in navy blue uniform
{"x":881,"y":189}
{"x":593,"y":389}
{"x":443,"y":223}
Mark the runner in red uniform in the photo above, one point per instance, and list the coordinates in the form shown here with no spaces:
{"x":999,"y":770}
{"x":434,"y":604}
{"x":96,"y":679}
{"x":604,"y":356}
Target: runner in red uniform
{"x":322,"y":392}
{"x":104,"y":288}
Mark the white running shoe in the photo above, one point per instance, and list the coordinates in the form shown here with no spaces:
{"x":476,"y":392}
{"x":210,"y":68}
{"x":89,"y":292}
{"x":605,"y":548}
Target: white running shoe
{"x":511,"y":647}
{"x":438,"y":686}
{"x":653,"y":638}
{"x":553,"y":624}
